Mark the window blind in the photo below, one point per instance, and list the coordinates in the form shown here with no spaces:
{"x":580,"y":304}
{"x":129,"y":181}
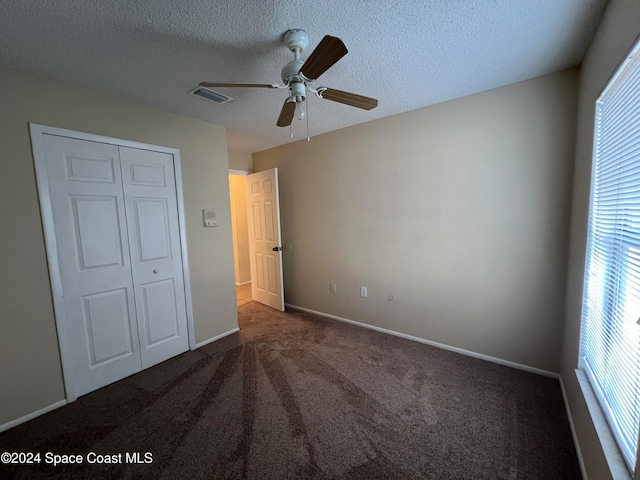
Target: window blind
{"x":610,"y":339}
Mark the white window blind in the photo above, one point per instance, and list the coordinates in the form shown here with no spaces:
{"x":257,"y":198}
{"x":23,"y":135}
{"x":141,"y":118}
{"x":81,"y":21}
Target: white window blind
{"x":610,"y":343}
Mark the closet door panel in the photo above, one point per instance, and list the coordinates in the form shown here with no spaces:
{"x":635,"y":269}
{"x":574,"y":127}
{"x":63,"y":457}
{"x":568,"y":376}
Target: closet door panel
{"x":87,"y":202}
{"x":152,"y":219}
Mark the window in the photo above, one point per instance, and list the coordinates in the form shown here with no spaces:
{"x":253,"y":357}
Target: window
{"x":610,"y":339}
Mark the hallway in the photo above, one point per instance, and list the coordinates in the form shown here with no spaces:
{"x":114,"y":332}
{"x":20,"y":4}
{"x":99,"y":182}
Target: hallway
{"x":243,"y":294}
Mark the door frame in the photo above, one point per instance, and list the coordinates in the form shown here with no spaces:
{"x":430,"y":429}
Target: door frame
{"x":44,"y":195}
{"x":239,"y":173}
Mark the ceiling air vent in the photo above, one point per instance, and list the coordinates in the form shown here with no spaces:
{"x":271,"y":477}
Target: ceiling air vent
{"x":212,"y":95}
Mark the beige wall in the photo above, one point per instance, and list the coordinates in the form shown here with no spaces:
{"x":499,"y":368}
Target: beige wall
{"x":618,"y":29}
{"x":459,"y":210}
{"x":240,"y":161}
{"x":30,"y":371}
{"x":238,"y":187}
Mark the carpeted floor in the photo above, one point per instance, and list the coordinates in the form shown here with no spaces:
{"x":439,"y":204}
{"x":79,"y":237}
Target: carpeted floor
{"x":296,"y":396}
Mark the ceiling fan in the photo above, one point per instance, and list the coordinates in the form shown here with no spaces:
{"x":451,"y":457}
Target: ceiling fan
{"x":297,"y":76}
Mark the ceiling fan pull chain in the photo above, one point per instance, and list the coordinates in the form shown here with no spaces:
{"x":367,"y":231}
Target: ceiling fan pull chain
{"x":308,"y":138}
{"x":290,"y":131}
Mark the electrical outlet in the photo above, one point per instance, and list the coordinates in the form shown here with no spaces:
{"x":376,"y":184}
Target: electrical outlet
{"x":332,"y":287}
{"x":363,"y":292}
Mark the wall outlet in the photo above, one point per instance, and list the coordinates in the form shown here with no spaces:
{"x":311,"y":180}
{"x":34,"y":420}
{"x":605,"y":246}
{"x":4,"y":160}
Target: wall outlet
{"x":363,"y":292}
{"x":332,"y":287}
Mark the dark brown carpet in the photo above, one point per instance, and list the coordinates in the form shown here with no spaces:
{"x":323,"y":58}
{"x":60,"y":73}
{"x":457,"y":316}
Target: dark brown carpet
{"x":296,"y":396}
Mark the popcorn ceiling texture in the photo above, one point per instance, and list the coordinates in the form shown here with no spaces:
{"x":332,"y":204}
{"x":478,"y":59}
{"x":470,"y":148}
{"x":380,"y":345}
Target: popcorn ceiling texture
{"x":408,"y":54}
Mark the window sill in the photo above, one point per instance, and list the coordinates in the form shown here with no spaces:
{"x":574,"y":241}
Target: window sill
{"x":615,"y":461}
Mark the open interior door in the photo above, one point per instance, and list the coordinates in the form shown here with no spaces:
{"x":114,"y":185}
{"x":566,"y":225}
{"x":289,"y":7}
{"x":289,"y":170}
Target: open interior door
{"x":265,"y":250}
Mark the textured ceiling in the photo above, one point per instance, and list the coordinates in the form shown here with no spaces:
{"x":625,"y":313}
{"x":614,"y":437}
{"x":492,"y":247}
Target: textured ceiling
{"x":408,"y":54}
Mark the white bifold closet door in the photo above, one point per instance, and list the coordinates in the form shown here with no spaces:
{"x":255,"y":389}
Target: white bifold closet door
{"x":118,"y":247}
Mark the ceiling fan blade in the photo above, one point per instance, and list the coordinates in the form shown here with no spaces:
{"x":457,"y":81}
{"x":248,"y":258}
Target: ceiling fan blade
{"x":286,"y":114}
{"x":347,"y":98}
{"x":237,"y":85}
{"x":327,"y":53}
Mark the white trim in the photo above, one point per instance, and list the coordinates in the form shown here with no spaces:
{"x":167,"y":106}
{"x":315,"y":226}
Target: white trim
{"x":51,"y":246}
{"x":600,"y":416}
{"x":620,"y":68}
{"x":462,"y":351}
{"x":217,"y":337}
{"x":183,"y":249}
{"x":583,"y":469}
{"x":31,"y":416}
{"x":278,"y":223}
{"x":63,"y":132}
{"x":243,"y":283}
{"x":233,"y":171}
{"x":615,"y":461}
{"x":42,"y":181}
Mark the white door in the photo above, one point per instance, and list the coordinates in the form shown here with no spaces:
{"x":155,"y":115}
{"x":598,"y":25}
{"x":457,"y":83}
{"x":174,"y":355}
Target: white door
{"x":152,"y":218}
{"x":265,"y":250}
{"x":115,"y":219}
{"x":87,"y":201}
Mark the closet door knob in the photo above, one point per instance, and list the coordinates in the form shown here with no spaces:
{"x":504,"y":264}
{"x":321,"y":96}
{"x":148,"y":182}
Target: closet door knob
{"x":156,"y":270}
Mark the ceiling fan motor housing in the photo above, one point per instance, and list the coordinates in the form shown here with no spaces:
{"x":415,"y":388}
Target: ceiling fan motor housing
{"x":290,"y":72}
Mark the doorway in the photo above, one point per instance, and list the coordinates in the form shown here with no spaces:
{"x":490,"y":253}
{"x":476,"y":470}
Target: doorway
{"x":240,"y":231}
{"x":255,"y":204}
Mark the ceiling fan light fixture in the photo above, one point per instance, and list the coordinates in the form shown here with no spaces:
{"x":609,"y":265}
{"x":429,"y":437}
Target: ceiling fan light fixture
{"x":301,"y":109}
{"x":298,"y":91}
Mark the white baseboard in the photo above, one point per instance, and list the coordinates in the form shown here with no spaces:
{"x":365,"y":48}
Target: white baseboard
{"x":243,"y":283}
{"x":31,"y":416}
{"x":217,"y":337}
{"x":462,"y":351}
{"x":583,"y":469}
